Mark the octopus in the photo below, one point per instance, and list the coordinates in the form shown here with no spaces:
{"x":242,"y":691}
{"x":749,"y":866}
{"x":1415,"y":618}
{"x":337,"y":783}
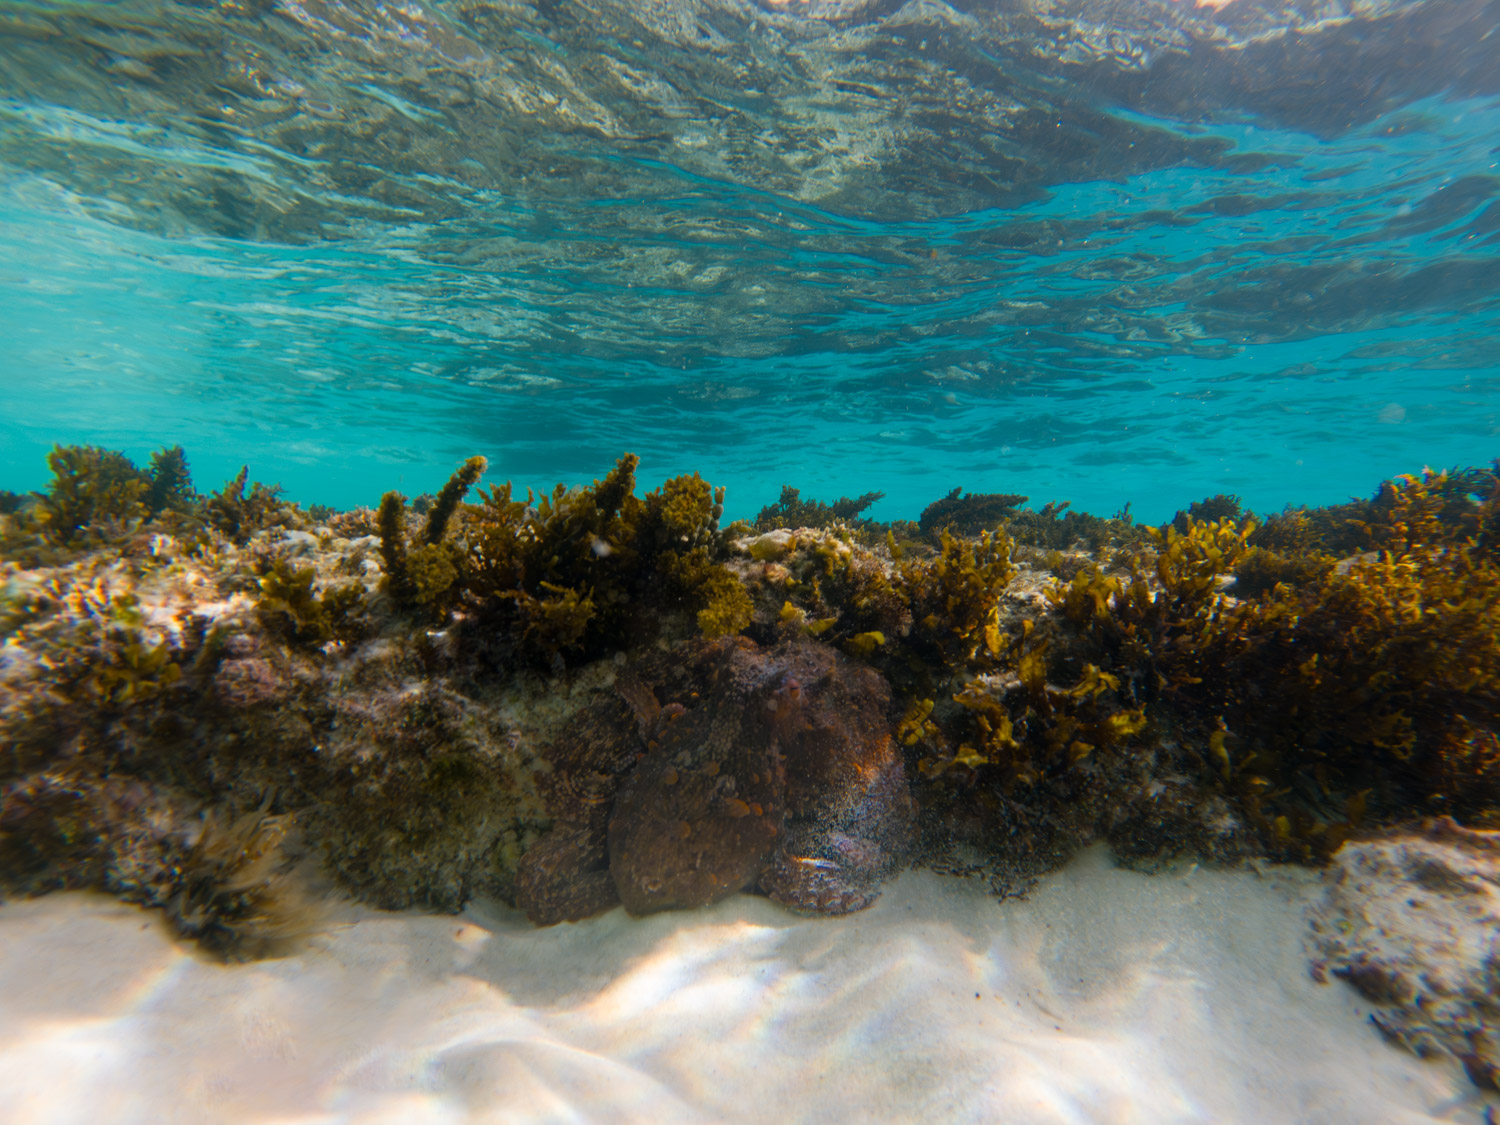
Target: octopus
{"x":720,"y":767}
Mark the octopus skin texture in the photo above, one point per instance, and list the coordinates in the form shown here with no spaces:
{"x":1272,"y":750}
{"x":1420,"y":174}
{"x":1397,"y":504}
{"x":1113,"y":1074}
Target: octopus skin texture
{"x":720,"y":767}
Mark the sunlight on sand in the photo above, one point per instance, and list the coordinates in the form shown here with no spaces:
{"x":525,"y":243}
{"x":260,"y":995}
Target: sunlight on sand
{"x":1108,"y":996}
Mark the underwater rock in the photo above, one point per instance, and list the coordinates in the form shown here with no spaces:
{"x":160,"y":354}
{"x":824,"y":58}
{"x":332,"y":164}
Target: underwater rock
{"x":765,"y":768}
{"x":985,"y":709}
{"x":1409,"y":920}
{"x":230,"y":882}
{"x":246,"y":683}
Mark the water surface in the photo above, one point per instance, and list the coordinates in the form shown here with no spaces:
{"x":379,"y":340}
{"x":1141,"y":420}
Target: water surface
{"x":1078,"y":249}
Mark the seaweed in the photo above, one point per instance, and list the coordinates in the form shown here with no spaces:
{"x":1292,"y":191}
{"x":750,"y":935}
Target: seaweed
{"x":1026,"y":727}
{"x":236,"y":892}
{"x":1261,"y":571}
{"x":1337,"y":672}
{"x":1057,"y":527}
{"x":171,"y":487}
{"x":955,"y":596}
{"x":92,"y":490}
{"x":452,"y":494}
{"x":722,"y":605}
{"x":238,"y":515}
{"x":554,"y":572}
{"x":221,"y":879}
{"x":1389,"y":668}
{"x":1454,"y":505}
{"x":1170,"y":631}
{"x":290,"y":607}
{"x":569,"y":573}
{"x":793,"y":511}
{"x":425,"y":573}
{"x":1337,"y":530}
{"x":100,"y":493}
{"x":1222,"y":506}
{"x":968,"y":513}
{"x":1384,"y":667}
{"x":840,"y":592}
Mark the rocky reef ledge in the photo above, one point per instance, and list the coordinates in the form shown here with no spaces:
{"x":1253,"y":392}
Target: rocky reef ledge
{"x":221,"y":705}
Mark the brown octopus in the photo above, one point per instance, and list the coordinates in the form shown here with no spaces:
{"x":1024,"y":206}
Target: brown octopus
{"x":719,"y":767}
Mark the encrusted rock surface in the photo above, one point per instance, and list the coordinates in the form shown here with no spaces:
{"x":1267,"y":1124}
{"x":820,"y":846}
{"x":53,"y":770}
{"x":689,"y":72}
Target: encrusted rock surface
{"x":1411,"y":919}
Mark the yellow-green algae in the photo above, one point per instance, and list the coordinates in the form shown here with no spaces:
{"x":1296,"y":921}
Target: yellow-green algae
{"x":375,"y":689}
{"x":573,"y":573}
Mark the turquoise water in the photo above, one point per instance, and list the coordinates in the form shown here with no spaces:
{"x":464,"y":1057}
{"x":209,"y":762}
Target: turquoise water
{"x":1101,"y":252}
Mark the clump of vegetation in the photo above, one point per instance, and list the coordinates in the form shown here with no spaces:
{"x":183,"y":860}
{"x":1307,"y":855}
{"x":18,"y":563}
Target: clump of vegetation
{"x":292,"y":607}
{"x":92,"y":489}
{"x":1456,"y":507}
{"x":101,"y":493}
{"x":99,"y":498}
{"x":236,"y":892}
{"x":1391,"y":666}
{"x":1337,"y":530}
{"x":171,"y":487}
{"x":571,"y":573}
{"x":1261,"y":570}
{"x":968,"y":513}
{"x":1162,"y":622}
{"x":913,"y":616}
{"x":1012,"y":725}
{"x":1316,"y":693}
{"x":1057,"y":527}
{"x":1328,"y":693}
{"x":125,"y":661}
{"x":423,"y":572}
{"x":793,"y":511}
{"x":844,"y":595}
{"x":1031,"y":727}
{"x":1213,"y":509}
{"x":223,"y":880}
{"x":678,"y":537}
{"x":955,"y":596}
{"x":237,"y":514}
{"x":981,"y":707}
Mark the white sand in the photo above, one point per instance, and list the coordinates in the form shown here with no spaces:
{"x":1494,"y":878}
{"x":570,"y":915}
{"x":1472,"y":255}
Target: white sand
{"x":1107,"y":997}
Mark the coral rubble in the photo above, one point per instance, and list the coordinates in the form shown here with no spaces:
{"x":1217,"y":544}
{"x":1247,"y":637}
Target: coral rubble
{"x":1408,"y":919}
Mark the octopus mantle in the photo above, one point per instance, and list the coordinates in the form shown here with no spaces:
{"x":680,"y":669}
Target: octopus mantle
{"x":719,"y":767}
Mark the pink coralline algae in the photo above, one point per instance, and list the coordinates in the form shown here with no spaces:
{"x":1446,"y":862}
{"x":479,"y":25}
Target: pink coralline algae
{"x":723,"y":767}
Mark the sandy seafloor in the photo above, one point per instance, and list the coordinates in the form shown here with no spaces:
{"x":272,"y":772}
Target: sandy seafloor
{"x":1106,"y":996}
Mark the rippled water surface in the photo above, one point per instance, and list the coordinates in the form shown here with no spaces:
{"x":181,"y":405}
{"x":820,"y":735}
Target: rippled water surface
{"x":1096,"y":251}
